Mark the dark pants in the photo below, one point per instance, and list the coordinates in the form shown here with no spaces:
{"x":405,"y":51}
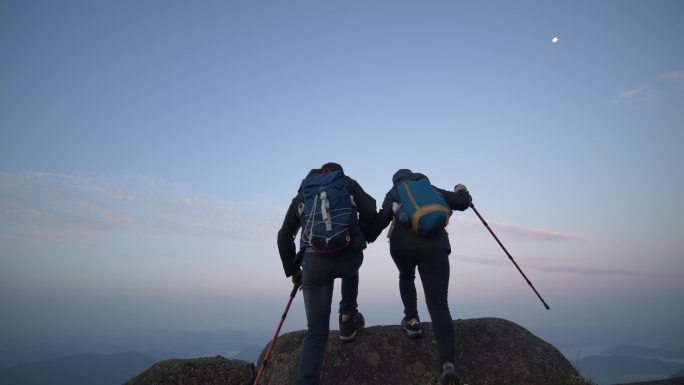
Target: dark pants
{"x":433,"y":267}
{"x":318,"y":275}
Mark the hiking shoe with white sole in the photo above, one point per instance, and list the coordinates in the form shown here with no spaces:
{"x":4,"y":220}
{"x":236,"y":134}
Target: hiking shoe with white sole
{"x":412,"y":327}
{"x":352,"y":326}
{"x":449,"y":377}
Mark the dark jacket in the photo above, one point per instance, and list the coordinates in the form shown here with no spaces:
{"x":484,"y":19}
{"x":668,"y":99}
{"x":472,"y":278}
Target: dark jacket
{"x":401,"y":237}
{"x":365,"y":207}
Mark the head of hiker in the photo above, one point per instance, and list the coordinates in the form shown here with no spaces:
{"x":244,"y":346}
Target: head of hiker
{"x":401,"y":174}
{"x":331,"y":166}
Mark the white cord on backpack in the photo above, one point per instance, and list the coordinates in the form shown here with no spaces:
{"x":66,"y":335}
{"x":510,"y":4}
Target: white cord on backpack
{"x":325,"y":207}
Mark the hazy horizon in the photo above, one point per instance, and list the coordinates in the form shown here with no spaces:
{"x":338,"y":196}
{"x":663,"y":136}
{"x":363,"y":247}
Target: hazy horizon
{"x":149,"y":152}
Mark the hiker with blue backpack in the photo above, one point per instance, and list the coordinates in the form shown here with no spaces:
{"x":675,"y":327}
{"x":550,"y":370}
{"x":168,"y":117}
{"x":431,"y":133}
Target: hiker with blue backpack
{"x":330,"y":209}
{"x":419,"y":213}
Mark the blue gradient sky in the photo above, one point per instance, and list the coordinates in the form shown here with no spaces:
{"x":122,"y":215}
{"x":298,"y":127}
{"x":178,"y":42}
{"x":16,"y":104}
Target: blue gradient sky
{"x":149,"y":151}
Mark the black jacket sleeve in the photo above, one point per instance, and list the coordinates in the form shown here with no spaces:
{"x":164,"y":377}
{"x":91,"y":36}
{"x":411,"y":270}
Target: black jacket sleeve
{"x":383,"y":218}
{"x":366,"y":207}
{"x":457,"y":200}
{"x":286,"y":237}
{"x":365,"y":204}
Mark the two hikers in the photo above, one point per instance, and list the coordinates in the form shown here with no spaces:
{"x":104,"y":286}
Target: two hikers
{"x":412,"y":244}
{"x":342,"y":207}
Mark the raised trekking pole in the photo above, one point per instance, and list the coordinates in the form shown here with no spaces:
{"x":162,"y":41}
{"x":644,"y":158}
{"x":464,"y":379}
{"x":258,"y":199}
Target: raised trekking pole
{"x":509,"y":255}
{"x":262,"y":368}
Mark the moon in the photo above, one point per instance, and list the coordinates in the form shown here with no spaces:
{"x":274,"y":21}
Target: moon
{"x":554,"y":40}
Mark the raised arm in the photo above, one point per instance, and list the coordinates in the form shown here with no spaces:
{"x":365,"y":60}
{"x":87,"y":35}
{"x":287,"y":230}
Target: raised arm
{"x":459,"y":199}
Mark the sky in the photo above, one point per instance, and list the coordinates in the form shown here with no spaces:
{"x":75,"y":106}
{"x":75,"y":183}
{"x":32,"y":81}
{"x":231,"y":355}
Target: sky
{"x":150,"y":150}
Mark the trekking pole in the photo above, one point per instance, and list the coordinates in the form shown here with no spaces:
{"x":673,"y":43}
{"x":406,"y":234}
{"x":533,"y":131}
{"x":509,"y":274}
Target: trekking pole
{"x":509,"y":255}
{"x":262,"y":368}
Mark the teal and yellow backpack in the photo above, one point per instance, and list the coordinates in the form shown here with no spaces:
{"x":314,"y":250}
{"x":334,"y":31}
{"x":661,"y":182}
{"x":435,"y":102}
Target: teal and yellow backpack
{"x":426,"y":209}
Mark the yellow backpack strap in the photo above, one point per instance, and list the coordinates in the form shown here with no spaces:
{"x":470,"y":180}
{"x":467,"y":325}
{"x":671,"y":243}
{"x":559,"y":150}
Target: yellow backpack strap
{"x":427,"y":209}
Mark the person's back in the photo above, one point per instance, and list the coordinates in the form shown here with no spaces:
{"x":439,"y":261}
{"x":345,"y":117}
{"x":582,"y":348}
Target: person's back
{"x":401,"y":236}
{"x":430,"y":255}
{"x":322,"y":213}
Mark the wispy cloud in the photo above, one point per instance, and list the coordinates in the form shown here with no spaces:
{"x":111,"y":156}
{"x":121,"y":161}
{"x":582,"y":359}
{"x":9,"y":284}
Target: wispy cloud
{"x":655,"y":90}
{"x":81,"y":208}
{"x":557,"y":265}
{"x":516,"y":232}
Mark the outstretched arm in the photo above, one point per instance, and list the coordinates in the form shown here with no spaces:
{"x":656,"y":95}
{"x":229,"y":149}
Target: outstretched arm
{"x":365,"y":204}
{"x":459,"y":199}
{"x":383,"y":219}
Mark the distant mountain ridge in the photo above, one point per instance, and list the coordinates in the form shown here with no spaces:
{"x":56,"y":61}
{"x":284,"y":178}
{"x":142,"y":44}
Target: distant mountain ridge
{"x":43,"y":352}
{"x":248,"y":355}
{"x":607,"y":370}
{"x":670,"y":381}
{"x":81,"y":369}
{"x":641,"y":351}
{"x":162,"y":345}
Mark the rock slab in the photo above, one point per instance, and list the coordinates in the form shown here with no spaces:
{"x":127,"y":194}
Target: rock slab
{"x":489,"y":351}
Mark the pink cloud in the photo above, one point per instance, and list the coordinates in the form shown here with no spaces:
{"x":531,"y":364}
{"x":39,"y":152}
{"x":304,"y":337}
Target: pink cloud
{"x":674,"y":75}
{"x":655,"y":90}
{"x":630,"y":93}
{"x":556,"y":266}
{"x":518,"y":232}
{"x":82,"y":206}
{"x":75,"y":207}
{"x":51,"y":236}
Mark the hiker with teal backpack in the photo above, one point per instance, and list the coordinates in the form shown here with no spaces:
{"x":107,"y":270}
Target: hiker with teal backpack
{"x":330,"y":209}
{"x":419,"y":213}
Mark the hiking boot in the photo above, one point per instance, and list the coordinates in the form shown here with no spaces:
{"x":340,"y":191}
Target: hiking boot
{"x":353,"y":325}
{"x":412,"y":327}
{"x":449,"y":376}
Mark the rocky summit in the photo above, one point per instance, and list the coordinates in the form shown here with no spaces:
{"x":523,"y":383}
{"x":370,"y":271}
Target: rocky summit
{"x":489,"y":351}
{"x":197,"y":371}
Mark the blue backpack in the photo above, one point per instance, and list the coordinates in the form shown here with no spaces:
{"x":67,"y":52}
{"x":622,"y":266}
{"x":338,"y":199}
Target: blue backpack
{"x":328,"y":215}
{"x":427,"y":211}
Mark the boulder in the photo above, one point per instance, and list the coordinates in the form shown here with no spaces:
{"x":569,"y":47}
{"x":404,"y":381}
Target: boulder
{"x":488,"y":351}
{"x":197,"y":371}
